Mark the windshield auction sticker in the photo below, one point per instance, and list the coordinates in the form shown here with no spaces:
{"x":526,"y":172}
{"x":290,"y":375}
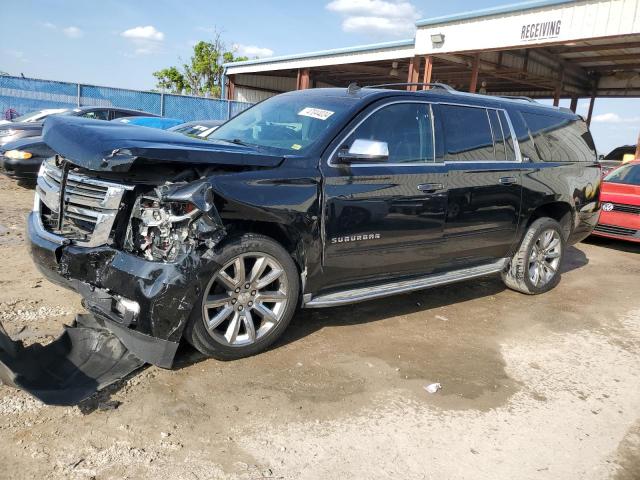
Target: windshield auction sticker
{"x":317,"y":113}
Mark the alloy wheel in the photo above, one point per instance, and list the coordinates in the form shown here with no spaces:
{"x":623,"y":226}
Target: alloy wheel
{"x":245,"y":299}
{"x":545,"y":257}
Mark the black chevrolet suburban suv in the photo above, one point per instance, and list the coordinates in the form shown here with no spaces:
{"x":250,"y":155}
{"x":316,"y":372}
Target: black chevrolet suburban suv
{"x":309,"y":199}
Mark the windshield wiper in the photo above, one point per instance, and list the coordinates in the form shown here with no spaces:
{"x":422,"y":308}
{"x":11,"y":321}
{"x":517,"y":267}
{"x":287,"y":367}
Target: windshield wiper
{"x":237,"y":141}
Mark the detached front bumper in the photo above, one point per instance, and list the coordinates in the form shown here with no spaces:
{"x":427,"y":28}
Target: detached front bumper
{"x":145,"y":304}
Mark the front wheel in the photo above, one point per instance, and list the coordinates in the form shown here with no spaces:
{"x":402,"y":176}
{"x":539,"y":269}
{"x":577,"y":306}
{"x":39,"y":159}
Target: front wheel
{"x":248,"y":302}
{"x":535,"y":267}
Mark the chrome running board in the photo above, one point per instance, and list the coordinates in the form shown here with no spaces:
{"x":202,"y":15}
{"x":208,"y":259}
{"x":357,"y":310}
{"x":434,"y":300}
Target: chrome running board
{"x":403,"y":286}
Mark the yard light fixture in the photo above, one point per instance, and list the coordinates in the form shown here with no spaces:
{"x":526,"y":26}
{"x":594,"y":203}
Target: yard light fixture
{"x":437,"y":39}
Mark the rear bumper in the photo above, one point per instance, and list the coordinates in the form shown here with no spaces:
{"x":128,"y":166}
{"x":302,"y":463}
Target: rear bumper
{"x":110,"y":281}
{"x":20,"y":169}
{"x":585,"y":222}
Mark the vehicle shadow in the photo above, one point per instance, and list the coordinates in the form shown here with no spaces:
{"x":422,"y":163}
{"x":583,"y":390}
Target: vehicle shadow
{"x":308,"y":321}
{"x":574,"y":259}
{"x":619,"y":245}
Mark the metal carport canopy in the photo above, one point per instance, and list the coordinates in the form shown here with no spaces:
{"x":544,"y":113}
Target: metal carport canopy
{"x":542,"y":49}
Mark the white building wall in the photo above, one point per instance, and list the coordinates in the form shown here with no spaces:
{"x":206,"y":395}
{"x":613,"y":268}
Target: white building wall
{"x":578,"y":21}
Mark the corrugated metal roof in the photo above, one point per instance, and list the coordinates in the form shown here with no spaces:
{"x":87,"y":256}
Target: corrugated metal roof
{"x":325,"y":53}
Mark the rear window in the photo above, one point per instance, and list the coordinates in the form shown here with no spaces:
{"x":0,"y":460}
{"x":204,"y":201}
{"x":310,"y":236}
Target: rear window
{"x":628,"y":174}
{"x":560,"y":139}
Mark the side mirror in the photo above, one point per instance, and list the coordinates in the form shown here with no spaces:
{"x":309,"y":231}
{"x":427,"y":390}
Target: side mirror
{"x":363,"y":151}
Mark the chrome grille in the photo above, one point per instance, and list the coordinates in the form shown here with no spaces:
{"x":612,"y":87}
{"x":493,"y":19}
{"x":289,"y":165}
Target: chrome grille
{"x":89,"y":208}
{"x":622,"y":207}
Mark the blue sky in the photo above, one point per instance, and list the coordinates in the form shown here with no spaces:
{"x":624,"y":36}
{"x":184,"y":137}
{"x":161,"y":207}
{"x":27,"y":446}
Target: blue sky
{"x":120,"y":43}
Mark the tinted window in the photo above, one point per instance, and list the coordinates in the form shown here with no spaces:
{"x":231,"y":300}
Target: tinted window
{"x":405,"y":127}
{"x":525,"y":142}
{"x":508,"y":140}
{"x":498,"y":136}
{"x":119,"y":114}
{"x":628,"y":174}
{"x":560,"y":139}
{"x":467,"y":133}
{"x":97,"y":114}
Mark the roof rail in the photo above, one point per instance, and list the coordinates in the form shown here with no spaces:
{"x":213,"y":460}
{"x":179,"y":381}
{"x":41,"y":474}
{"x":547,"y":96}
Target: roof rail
{"x":518,"y":97}
{"x":443,"y":86}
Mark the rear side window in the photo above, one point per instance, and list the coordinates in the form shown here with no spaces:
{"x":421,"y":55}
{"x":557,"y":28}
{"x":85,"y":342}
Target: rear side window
{"x":97,"y":114}
{"x":467,"y":133}
{"x":560,"y":138}
{"x":405,"y":127}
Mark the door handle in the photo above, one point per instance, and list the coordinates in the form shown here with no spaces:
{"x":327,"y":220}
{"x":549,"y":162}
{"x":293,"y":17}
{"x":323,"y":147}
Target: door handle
{"x":508,"y":180}
{"x":430,"y":187}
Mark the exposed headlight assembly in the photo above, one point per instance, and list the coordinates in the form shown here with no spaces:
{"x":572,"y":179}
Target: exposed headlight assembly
{"x":18,"y":154}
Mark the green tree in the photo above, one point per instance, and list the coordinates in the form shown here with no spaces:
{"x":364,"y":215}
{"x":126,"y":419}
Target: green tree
{"x":170,"y":79}
{"x":202,"y":75}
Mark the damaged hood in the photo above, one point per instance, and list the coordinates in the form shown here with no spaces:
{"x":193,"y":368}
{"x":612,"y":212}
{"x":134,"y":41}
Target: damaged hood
{"x":109,"y":146}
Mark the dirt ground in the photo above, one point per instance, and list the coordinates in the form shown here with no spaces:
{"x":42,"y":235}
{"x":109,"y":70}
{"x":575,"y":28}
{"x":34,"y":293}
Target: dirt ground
{"x":541,"y":387}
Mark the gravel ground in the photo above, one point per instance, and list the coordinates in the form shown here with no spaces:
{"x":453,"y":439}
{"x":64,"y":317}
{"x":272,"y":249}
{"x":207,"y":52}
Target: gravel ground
{"x":540,"y":387}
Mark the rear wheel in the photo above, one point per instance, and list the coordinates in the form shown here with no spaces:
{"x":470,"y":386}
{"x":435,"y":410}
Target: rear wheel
{"x":535,"y":267}
{"x":248,"y":302}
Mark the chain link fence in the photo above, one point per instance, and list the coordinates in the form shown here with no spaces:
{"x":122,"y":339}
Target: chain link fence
{"x":20,"y":95}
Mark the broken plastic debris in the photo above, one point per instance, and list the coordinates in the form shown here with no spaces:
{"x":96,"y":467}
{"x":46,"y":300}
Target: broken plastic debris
{"x":433,"y":388}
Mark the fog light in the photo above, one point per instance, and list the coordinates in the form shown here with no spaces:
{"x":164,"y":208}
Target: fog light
{"x":127,"y":309}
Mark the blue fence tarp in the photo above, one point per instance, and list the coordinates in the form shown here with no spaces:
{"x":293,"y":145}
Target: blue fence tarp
{"x":20,"y":95}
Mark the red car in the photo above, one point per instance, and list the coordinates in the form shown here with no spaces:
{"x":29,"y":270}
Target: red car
{"x":620,"y":204}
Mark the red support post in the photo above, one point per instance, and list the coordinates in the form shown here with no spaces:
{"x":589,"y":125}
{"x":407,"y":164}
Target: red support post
{"x":302,"y":82}
{"x":591,"y":102}
{"x":231,"y":88}
{"x":574,"y":104}
{"x":414,"y":73}
{"x":475,"y":68}
{"x":428,"y":70}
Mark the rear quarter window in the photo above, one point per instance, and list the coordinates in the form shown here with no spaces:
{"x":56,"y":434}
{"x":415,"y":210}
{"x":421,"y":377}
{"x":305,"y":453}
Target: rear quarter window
{"x":559,"y":138}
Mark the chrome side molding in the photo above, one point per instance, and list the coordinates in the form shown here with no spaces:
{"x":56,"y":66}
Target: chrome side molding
{"x":403,"y":286}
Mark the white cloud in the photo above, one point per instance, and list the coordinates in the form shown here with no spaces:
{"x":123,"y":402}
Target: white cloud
{"x":73,"y":32}
{"x":146,"y":40}
{"x":49,"y":25}
{"x":376,"y":17}
{"x":144,"y":33}
{"x":252,"y":51}
{"x":613,"y":118}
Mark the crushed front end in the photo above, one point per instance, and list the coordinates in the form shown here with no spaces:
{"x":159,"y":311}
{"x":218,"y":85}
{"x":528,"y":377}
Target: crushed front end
{"x":136,"y":252}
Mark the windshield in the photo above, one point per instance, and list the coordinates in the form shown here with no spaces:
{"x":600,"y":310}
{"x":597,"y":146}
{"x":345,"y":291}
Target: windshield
{"x":287,"y":123}
{"x":39,"y":115}
{"x":628,"y":174}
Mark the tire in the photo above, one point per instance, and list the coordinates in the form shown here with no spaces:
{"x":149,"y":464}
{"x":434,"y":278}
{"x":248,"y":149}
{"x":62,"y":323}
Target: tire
{"x":535,"y":256}
{"x":235,"y":321}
